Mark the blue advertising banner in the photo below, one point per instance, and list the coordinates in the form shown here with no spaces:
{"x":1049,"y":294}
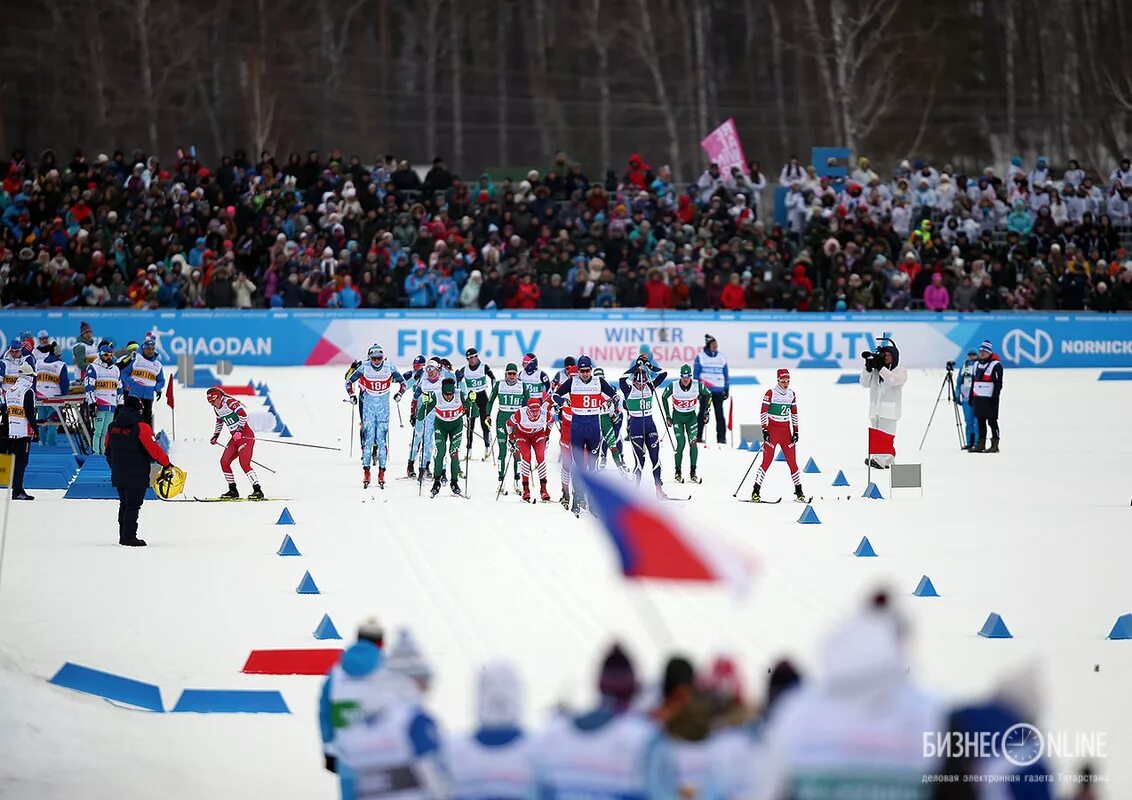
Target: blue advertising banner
{"x":298,"y":337}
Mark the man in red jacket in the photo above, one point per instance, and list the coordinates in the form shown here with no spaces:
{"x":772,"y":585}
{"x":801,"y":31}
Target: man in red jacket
{"x":657,"y":293}
{"x":130,"y":449}
{"x":528,"y":293}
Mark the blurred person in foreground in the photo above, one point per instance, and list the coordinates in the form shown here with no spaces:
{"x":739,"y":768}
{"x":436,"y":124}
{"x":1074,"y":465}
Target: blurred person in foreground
{"x":375,"y":734}
{"x":495,"y":761}
{"x":611,"y":752}
{"x":857,"y":729}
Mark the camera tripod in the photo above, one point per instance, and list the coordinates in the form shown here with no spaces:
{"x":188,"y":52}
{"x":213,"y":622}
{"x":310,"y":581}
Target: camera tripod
{"x":948,"y":385}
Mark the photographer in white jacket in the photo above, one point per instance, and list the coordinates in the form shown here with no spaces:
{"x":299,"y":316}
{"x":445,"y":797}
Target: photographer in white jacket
{"x":884,"y":378}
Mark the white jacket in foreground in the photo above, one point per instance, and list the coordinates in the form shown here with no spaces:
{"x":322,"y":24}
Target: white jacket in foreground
{"x":885,"y":386}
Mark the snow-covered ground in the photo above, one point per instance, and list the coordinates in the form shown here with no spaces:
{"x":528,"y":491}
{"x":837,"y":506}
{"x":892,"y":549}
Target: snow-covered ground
{"x":1038,"y":533}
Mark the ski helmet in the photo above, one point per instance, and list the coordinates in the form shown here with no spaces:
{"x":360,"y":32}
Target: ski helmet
{"x":418,"y":362}
{"x":686,"y":371}
{"x":530,"y":362}
{"x":376,"y":353}
{"x":585,"y":362}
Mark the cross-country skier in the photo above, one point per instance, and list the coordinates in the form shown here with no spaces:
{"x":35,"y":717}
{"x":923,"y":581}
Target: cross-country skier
{"x":689,"y":401}
{"x":103,"y":384}
{"x":448,"y":408}
{"x":474,"y":378}
{"x":569,"y":370}
{"x":611,"y":417}
{"x":144,"y":377}
{"x":779,"y":420}
{"x":528,"y":431}
{"x":564,"y":416}
{"x":533,"y":377}
{"x":511,"y":394}
{"x":231,"y":413}
{"x":638,"y":390}
{"x":587,"y":395}
{"x":412,"y":378}
{"x":422,"y":422}
{"x":376,"y":377}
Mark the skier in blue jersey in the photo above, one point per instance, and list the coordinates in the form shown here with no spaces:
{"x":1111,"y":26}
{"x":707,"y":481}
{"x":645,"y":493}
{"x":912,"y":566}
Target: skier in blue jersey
{"x":375,"y":376}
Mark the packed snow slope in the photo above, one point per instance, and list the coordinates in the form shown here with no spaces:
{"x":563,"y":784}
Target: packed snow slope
{"x":1038,"y":533}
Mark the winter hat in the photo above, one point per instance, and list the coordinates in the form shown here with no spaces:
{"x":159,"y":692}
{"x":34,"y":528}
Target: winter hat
{"x":783,"y":373}
{"x":372,"y":630}
{"x":406,"y":658}
{"x":84,"y":327}
{"x":617,"y":680}
{"x":686,"y":371}
{"x":498,"y":696}
{"x":511,"y":367}
{"x":986,"y":345}
{"x":708,"y":339}
{"x":43,"y":334}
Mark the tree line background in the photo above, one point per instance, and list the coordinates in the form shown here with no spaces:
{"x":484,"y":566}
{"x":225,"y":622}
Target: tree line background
{"x":509,"y":82}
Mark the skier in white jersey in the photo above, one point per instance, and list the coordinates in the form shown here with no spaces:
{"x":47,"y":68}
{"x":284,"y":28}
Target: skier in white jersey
{"x":495,"y":761}
{"x":474,"y":377}
{"x":103,"y":384}
{"x":424,"y":422}
{"x":587,"y":396}
{"x":534,"y":378}
{"x":611,"y":753}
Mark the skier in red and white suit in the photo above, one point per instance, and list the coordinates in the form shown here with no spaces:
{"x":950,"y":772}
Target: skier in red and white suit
{"x":779,"y":419}
{"x":230,"y":412}
{"x":528,"y":430}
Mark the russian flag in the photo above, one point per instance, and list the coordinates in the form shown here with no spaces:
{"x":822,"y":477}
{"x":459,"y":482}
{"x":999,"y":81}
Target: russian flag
{"x":651,"y":544}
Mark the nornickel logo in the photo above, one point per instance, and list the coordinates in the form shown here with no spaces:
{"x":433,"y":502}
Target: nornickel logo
{"x":1019,"y":345}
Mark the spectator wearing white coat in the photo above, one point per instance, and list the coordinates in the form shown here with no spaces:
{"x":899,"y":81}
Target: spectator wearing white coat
{"x":791,"y":173}
{"x":1074,"y":175}
{"x":470,"y":294}
{"x":1122,"y":174}
{"x":709,"y":183}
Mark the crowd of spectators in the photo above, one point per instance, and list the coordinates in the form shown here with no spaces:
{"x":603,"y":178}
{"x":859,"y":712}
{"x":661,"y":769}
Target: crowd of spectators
{"x":329,"y":231}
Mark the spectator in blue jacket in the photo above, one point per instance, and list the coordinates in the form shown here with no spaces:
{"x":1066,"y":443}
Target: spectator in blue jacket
{"x":418,"y":286}
{"x":1019,"y":219}
{"x":447,"y":291}
{"x":711,"y":368}
{"x":348,"y":296}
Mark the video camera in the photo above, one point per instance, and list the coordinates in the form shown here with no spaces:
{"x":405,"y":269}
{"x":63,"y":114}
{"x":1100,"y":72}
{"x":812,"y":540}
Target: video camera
{"x":950,"y":366}
{"x":873,"y":360}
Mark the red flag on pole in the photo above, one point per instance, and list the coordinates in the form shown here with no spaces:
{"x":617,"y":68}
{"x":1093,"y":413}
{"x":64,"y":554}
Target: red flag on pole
{"x":169,"y":392}
{"x":730,"y":412}
{"x":881,"y":442}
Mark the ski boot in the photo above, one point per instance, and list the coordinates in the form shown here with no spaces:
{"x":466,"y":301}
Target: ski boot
{"x":257,"y":493}
{"x":544,"y":495}
{"x":755,"y":496}
{"x":679,"y":477}
{"x":455,"y":485}
{"x":518,"y":485}
{"x":694,"y":478}
{"x":424,"y":473}
{"x":660,"y":495}
{"x":232,"y":494}
{"x":799,"y":497}
{"x":365,"y":477}
{"x":526,"y":491}
{"x":576,"y":506}
{"x":444,"y":475}
{"x":412,"y":473}
{"x":565,"y":501}
{"x":380,"y":477}
{"x":435,"y":490}
{"x":135,"y":542}
{"x":993,"y":446}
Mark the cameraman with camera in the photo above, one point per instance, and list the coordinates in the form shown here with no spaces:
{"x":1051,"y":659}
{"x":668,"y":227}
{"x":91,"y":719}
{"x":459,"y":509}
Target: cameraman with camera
{"x":963,"y":399}
{"x":884,"y":378}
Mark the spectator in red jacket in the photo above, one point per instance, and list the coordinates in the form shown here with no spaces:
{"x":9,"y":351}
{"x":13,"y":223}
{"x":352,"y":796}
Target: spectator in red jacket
{"x":732,"y":298}
{"x":657,"y":293}
{"x":527,"y":294}
{"x":802,"y":288}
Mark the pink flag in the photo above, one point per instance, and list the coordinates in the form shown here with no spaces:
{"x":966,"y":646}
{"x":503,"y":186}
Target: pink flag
{"x":723,"y":147}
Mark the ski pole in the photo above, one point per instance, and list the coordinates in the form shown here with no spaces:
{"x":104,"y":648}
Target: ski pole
{"x":467,"y":456}
{"x":503,"y":472}
{"x":745,"y":474}
{"x":263,"y":466}
{"x":664,"y":417}
{"x":400,"y":422}
{"x":301,"y":444}
{"x":351,"y":430}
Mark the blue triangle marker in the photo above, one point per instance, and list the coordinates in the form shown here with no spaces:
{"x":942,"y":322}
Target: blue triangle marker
{"x":1123,"y":627}
{"x":925,"y":588}
{"x":865,"y":549}
{"x":326,"y":629}
{"x":872,"y":492}
{"x":286,"y":432}
{"x":288,"y":547}
{"x":840,"y":480}
{"x":285,"y":518}
{"x":307,"y":585}
{"x":781,"y":455}
{"x":995,"y":628}
{"x":811,"y":467}
{"x":809,"y":516}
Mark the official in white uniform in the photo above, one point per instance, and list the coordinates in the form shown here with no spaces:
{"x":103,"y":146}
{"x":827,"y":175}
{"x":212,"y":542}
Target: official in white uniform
{"x":884,"y":378}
